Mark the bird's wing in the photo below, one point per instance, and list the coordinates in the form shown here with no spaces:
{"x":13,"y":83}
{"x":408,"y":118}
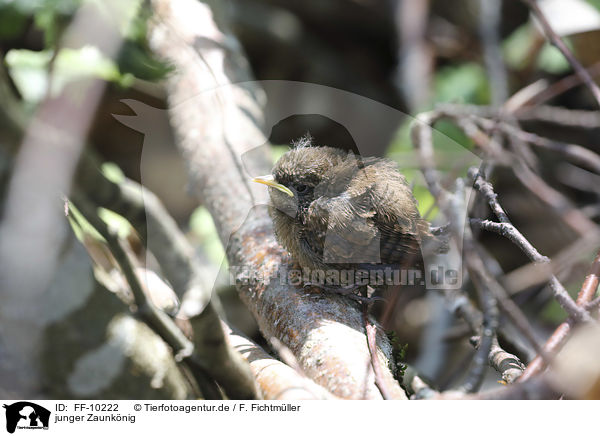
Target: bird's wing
{"x":367,"y":216}
{"x":399,"y":245}
{"x":396,"y":216}
{"x":347,"y":233}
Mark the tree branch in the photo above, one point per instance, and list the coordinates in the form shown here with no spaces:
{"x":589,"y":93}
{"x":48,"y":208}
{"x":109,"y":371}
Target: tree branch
{"x":181,"y":267}
{"x":556,"y":40}
{"x":211,"y":118}
{"x":558,"y":338}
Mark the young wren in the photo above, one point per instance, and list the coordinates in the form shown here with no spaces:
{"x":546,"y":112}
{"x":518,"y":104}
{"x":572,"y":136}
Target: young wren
{"x":333,"y":210}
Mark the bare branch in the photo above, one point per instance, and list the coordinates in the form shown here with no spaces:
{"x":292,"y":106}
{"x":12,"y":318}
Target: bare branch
{"x":508,"y":365}
{"x":536,"y":389}
{"x":422,"y":390}
{"x":490,"y":15}
{"x":539,"y":92}
{"x":506,"y":229}
{"x":558,"y":338}
{"x":157,"y":319}
{"x":181,"y":267}
{"x":556,"y":40}
{"x":561,"y":116}
{"x":324,"y":332}
{"x":574,"y":152}
{"x":422,"y":140}
{"x":276,"y":380}
{"x":371,"y":332}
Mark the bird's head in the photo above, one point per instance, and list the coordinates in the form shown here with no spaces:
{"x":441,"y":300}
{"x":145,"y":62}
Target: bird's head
{"x":300,"y":176}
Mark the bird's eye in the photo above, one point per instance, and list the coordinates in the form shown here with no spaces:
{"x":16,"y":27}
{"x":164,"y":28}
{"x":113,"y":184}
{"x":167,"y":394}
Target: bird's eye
{"x":301,"y":189}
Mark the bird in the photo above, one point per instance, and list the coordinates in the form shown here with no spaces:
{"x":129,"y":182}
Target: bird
{"x":333,"y":211}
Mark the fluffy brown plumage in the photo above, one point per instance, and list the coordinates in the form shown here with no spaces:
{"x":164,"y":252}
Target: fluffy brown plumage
{"x":341,"y":211}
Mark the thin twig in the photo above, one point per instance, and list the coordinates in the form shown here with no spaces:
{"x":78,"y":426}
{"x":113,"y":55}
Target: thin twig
{"x":490,"y":15}
{"x":423,"y":142}
{"x":561,"y":205}
{"x":574,"y":152}
{"x":538,"y":388}
{"x":557,"y":41}
{"x":506,"y":229}
{"x":508,"y":365}
{"x":480,"y":115}
{"x":559,"y":115}
{"x":553,"y":198}
{"x":487,"y":299}
{"x":489,"y":326}
{"x":422,"y":390}
{"x":158,"y":320}
{"x":371,"y":333}
{"x":178,"y":262}
{"x":593,"y":304}
{"x":539,"y":92}
{"x":558,"y":338}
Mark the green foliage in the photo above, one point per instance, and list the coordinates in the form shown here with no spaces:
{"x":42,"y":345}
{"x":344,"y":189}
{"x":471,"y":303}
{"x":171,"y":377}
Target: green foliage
{"x":594,"y":3}
{"x":203,"y":227}
{"x":49,"y":16}
{"x":81,"y":226}
{"x":30,"y":70}
{"x":119,"y":225}
{"x":112,"y":172}
{"x":52,"y":17}
{"x":136,"y":59}
{"x":553,"y":313}
{"x":464,"y":83}
{"x":12,"y":21}
{"x":399,"y":354}
{"x":552,"y":60}
{"x":519,"y":46}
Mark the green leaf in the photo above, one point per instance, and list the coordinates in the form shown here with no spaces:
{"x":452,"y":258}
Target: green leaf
{"x":115,"y":222}
{"x":552,"y":60}
{"x":29,"y":69}
{"x":517,"y":46}
{"x":112,"y":172}
{"x":12,"y":21}
{"x":51,"y":17}
{"x":81,"y":226}
{"x":463,"y":83}
{"x":136,"y":59}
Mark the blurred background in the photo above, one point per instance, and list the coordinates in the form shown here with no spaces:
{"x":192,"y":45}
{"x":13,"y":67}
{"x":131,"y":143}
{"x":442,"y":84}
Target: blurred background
{"x":408,"y":55}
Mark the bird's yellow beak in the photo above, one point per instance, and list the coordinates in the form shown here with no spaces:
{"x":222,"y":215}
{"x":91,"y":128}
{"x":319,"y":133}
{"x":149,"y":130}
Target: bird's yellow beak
{"x":270,"y":181}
